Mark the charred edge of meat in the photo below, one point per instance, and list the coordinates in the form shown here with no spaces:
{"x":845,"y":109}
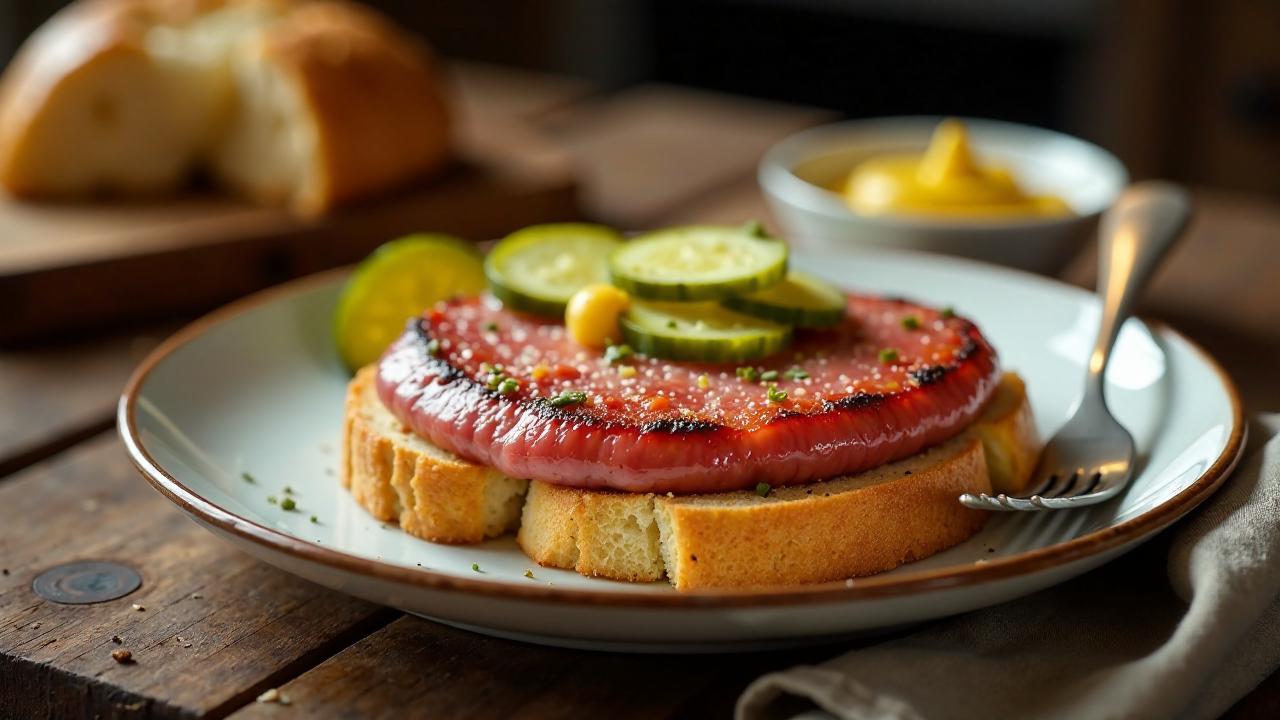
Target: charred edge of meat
{"x":928,"y":375}
{"x":853,"y":402}
{"x":445,"y":369}
{"x":680,"y":425}
{"x":971,"y":345}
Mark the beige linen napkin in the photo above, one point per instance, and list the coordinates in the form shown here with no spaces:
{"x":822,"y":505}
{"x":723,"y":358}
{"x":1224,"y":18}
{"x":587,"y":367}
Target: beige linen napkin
{"x":1124,"y":641}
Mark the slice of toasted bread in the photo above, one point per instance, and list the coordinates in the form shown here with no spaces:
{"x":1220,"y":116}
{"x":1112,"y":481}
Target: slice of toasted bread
{"x":840,"y":528}
{"x":431,"y":492}
{"x":845,"y":527}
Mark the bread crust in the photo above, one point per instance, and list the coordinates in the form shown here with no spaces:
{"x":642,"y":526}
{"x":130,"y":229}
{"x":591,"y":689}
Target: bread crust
{"x":373,"y":93}
{"x":431,"y":493}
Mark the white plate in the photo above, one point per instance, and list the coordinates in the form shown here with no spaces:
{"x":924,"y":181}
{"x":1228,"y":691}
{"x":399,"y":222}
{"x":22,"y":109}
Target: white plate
{"x":256,"y":388}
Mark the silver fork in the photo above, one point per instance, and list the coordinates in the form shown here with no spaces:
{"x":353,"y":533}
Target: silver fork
{"x":1091,"y":457}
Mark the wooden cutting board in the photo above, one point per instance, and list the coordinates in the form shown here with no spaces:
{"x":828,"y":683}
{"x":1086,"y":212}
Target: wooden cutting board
{"x":75,"y":267}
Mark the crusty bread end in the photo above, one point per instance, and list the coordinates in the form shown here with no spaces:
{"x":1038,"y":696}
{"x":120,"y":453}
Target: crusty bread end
{"x":432,"y":493}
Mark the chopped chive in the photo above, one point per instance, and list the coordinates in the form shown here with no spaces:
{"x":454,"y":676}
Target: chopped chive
{"x":248,"y":478}
{"x":288,"y":504}
{"x":775,"y":395}
{"x":475,"y":567}
{"x":754,"y":228}
{"x":491,"y":326}
{"x":763,"y":489}
{"x":288,"y":490}
{"x":314,"y":519}
{"x":508,"y":386}
{"x":615,"y":354}
{"x":433,"y":347}
{"x":948,"y":312}
{"x":271,"y":499}
{"x":795,"y":373}
{"x":911,"y":322}
{"x":671,"y":324}
{"x":568,"y":397}
{"x":769,"y":375}
{"x":888,"y":355}
{"x":748,"y":373}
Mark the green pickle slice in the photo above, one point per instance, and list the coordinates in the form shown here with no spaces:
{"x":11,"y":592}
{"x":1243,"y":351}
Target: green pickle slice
{"x":537,"y":269}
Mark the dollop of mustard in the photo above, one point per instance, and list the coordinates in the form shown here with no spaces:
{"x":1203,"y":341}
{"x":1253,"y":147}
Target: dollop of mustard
{"x":947,"y":180}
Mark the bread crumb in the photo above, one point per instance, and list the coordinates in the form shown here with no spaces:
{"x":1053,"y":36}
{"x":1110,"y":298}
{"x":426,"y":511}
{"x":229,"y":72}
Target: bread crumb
{"x":848,"y":583}
{"x":197,"y":596}
{"x":139,"y":608}
{"x":274,"y":696}
{"x":122,"y":656}
{"x":117,"y":639}
{"x":35,"y":626}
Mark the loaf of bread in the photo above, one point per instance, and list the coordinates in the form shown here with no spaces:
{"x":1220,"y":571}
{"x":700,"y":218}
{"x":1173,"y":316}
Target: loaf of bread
{"x":844,"y":527}
{"x":304,"y":104}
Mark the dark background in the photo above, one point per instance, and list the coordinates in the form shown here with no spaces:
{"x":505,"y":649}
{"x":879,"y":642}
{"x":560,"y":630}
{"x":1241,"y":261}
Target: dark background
{"x":1180,"y":89}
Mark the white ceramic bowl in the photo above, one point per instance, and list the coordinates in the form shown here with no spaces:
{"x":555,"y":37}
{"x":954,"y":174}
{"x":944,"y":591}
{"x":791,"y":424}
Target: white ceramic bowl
{"x":796,"y":173}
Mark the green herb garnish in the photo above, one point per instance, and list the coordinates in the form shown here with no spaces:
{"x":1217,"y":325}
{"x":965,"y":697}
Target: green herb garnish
{"x":248,"y":478}
{"x":948,"y":312}
{"x":288,"y":490}
{"x":491,"y":326}
{"x":475,"y":567}
{"x":271,"y":499}
{"x":615,"y":354}
{"x":315,"y":520}
{"x":433,"y":347}
{"x":769,"y":375}
{"x":775,"y":395}
{"x":795,"y":373}
{"x":911,"y":322}
{"x":763,"y":489}
{"x":748,"y":373}
{"x":567,"y":397}
{"x":888,"y":355}
{"x":672,"y":325}
{"x":288,"y":504}
{"x":508,"y":386}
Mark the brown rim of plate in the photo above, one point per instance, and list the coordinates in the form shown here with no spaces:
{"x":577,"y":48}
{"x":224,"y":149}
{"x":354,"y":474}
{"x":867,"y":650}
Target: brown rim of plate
{"x":875,"y":586}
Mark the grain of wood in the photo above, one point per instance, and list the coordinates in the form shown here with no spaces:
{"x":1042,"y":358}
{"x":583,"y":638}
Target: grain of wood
{"x":62,"y":393}
{"x":250,"y":628}
{"x":650,"y":150}
{"x":445,"y":672}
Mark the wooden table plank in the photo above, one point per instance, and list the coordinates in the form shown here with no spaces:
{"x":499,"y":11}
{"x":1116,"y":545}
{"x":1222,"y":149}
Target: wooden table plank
{"x":649,"y":150}
{"x":56,"y":395}
{"x":245,"y":626}
{"x":418,"y":666}
{"x":483,"y":91}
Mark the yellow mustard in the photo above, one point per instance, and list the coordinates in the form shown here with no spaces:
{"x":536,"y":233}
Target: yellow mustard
{"x":947,"y":180}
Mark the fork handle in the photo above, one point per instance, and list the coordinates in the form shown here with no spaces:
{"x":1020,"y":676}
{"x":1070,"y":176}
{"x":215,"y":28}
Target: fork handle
{"x":1135,"y":234}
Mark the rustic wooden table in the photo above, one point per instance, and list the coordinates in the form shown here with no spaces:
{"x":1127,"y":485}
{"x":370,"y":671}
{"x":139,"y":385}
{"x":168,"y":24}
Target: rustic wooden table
{"x":216,"y":629}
